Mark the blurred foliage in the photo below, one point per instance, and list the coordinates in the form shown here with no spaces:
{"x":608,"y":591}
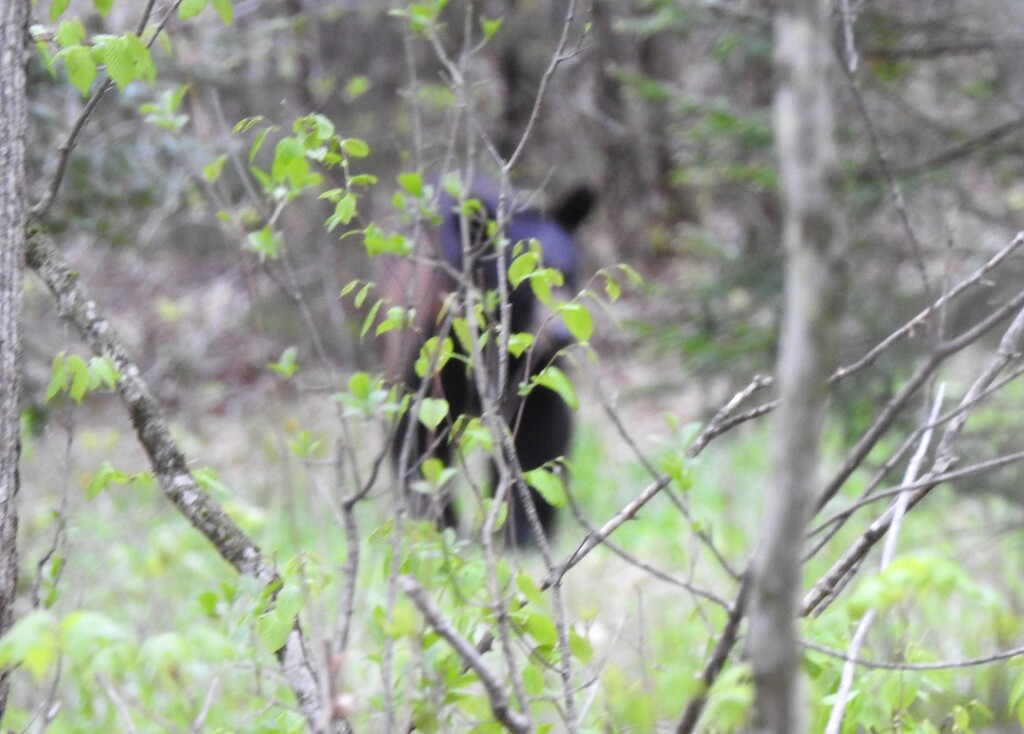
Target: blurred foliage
{"x":221,"y":247}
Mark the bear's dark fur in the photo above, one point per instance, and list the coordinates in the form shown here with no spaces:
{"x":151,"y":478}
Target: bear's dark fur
{"x":541,"y":422}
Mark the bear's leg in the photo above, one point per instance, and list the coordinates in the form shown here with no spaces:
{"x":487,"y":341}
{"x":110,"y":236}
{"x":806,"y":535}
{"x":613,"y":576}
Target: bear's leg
{"x":543,"y":432}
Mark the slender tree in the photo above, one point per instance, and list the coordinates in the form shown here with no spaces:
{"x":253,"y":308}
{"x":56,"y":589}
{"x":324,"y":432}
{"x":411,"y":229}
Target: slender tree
{"x":813,"y":237}
{"x":12,"y":240}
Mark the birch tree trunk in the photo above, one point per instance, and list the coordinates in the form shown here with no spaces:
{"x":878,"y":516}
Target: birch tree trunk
{"x":814,"y":240}
{"x":12,"y":241}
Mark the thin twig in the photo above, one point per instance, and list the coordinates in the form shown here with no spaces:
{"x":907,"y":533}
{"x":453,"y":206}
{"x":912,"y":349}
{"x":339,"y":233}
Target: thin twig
{"x":816,"y":599}
{"x":43,"y":205}
{"x":512,"y":720}
{"x":716,"y":661}
{"x":967,"y":471}
{"x":842,"y":695}
{"x":894,"y":407}
{"x":939,"y":665}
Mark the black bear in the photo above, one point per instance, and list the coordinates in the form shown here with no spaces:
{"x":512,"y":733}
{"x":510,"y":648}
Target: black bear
{"x":542,"y":422}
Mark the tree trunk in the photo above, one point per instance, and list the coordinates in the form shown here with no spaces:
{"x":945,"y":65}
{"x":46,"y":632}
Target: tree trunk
{"x":12,"y":240}
{"x":813,"y":235}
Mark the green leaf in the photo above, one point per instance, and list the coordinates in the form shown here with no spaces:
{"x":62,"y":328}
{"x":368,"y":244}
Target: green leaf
{"x":541,"y":283}
{"x":103,"y":372}
{"x":103,"y":478}
{"x":79,"y":372}
{"x":276,"y":623}
{"x":47,"y":58}
{"x":190,"y":9}
{"x":103,"y":6}
{"x":432,"y":412}
{"x":521,"y":268}
{"x":490,"y":27}
{"x":363,"y":179}
{"x":460,"y":327}
{"x":371,"y":316}
{"x":632,"y":275}
{"x":356,"y":87}
{"x":286,"y":365}
{"x":411,"y":183}
{"x":359,"y":384}
{"x":32,"y":642}
{"x":360,"y":297}
{"x":290,"y":162}
{"x":140,"y":58}
{"x":555,"y":380}
{"x":223,"y":8}
{"x":57,"y":8}
{"x":257,"y":143}
{"x":174,"y":100}
{"x":580,"y":647}
{"x":355,"y":147}
{"x":247,"y":123}
{"x":611,"y":288}
{"x":58,"y":377}
{"x":377,"y":242}
{"x":528,"y":588}
{"x":273,"y":629}
{"x":81,"y":68}
{"x":444,"y":350}
{"x":305,"y":444}
{"x":344,"y":211}
{"x":549,"y":484}
{"x":266,"y":242}
{"x":472,"y":433}
{"x":519,"y":343}
{"x":212,"y":171}
{"x":117,"y":61}
{"x":435,"y":472}
{"x":395,"y":318}
{"x":540,"y":628}
{"x":577,"y":320}
{"x":70,"y":33}
{"x":533,"y":680}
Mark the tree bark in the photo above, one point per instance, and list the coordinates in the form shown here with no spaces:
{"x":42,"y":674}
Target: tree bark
{"x":813,"y":236}
{"x":12,"y":241}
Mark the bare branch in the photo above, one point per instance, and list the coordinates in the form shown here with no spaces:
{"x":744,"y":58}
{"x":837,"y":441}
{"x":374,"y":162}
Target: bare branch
{"x":842,"y":696}
{"x":716,"y":661}
{"x":1009,"y":348}
{"x":918,"y":321}
{"x":512,"y":720}
{"x":996,"y":657}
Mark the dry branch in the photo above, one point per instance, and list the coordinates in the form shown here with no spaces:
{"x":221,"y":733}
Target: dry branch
{"x":511,"y":719}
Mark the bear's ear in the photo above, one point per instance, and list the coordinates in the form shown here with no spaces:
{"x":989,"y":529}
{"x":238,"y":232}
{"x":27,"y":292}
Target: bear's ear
{"x":574,"y":207}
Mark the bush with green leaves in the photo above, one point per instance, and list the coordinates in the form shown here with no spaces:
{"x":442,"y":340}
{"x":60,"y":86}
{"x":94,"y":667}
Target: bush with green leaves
{"x":269,"y":576}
